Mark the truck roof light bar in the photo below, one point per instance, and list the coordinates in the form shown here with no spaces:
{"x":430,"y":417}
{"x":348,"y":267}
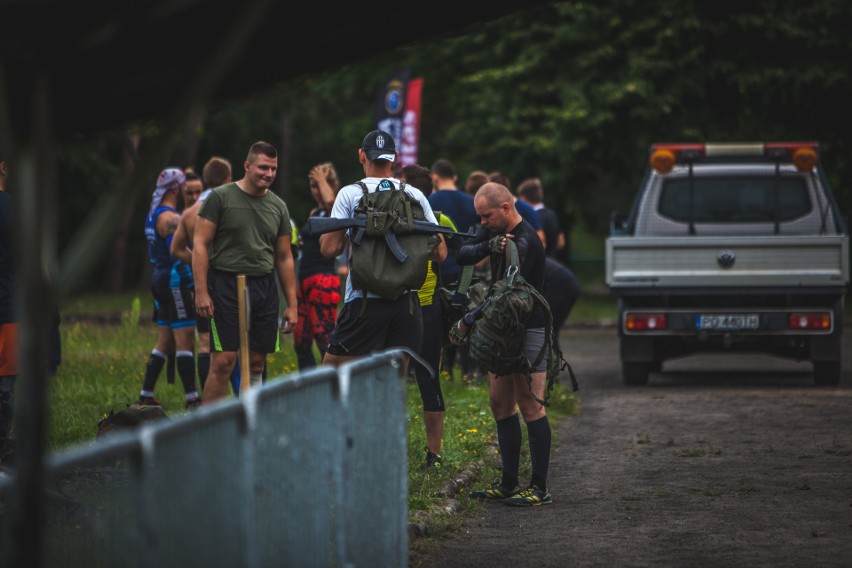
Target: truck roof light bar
{"x":804,"y":155}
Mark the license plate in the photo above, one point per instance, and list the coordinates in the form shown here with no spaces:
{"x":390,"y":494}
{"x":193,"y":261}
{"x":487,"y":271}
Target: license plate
{"x":727,"y":321}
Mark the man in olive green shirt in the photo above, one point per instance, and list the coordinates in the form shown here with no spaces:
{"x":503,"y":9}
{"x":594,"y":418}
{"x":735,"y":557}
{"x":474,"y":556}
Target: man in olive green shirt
{"x":243,"y":228}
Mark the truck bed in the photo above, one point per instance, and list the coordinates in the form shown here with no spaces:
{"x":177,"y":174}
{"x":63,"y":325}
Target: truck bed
{"x":726,"y":261}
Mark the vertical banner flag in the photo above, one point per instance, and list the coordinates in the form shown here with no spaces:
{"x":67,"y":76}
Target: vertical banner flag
{"x":411,"y":123}
{"x":390,"y":104}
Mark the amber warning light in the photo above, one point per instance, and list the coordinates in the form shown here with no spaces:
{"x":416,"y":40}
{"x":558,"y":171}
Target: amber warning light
{"x":803,"y":155}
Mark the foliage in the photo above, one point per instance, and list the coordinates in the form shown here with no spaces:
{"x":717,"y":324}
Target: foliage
{"x":572,"y":92}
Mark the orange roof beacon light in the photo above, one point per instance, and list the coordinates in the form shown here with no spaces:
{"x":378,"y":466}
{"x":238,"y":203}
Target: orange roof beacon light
{"x":805,"y":159}
{"x":665,"y":156}
{"x":802,"y":154}
{"x":663,"y":160}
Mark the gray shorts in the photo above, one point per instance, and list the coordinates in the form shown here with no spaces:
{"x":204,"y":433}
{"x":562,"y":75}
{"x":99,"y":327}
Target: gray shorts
{"x":532,"y":345}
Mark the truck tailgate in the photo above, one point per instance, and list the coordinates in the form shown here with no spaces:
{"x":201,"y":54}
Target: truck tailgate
{"x":637,"y":262}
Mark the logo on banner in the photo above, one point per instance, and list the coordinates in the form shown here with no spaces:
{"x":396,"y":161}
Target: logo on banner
{"x":394,"y":97}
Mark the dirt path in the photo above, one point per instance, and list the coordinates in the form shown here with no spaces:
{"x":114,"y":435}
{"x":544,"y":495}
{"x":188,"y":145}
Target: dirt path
{"x":719,"y":461}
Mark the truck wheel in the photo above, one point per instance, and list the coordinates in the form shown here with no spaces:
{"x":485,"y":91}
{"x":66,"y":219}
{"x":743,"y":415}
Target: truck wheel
{"x":634,"y":374}
{"x":827,"y":373}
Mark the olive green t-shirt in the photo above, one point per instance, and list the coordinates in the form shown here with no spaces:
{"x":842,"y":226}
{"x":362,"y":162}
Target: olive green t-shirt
{"x":247,"y":227}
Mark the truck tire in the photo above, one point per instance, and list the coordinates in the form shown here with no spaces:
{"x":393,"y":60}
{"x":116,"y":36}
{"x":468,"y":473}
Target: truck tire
{"x":634,"y":374}
{"x":827,"y":373}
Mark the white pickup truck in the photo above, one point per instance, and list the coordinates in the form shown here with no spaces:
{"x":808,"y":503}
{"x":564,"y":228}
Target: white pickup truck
{"x":730,"y":247}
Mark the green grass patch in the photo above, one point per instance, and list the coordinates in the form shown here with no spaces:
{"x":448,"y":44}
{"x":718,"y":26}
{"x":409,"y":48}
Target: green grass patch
{"x":103,"y":366}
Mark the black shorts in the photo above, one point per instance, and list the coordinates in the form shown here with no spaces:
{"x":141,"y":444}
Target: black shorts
{"x":174,"y":306}
{"x":202,"y":325}
{"x":263,"y":312}
{"x":383,"y":325}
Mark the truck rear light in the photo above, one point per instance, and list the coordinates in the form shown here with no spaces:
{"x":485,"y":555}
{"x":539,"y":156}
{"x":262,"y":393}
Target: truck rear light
{"x":645,"y":322}
{"x":809,"y":320}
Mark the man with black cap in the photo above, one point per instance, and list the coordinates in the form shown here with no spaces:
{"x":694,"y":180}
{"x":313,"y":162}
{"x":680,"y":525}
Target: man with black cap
{"x":380,"y":323}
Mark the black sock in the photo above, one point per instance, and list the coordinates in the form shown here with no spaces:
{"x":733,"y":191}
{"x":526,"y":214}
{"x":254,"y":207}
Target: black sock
{"x":186,"y":370}
{"x":509,"y":439}
{"x":203,"y":368}
{"x":170,"y":368}
{"x":539,"y":435}
{"x":152,"y":371}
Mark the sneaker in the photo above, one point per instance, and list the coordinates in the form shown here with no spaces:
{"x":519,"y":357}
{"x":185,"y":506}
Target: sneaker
{"x":148,"y":401}
{"x":432,"y":460}
{"x":193,"y":404}
{"x":532,"y":496}
{"x":495,"y":490}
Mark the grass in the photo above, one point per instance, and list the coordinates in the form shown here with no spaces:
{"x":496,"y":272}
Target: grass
{"x":103,"y":366}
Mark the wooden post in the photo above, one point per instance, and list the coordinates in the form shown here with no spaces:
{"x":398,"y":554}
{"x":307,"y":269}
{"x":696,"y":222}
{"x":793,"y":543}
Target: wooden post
{"x":242,"y":306}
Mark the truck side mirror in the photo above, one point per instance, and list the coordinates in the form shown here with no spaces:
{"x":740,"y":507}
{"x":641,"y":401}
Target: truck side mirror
{"x":617,"y":223}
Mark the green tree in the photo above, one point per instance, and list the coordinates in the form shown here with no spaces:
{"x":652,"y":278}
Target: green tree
{"x":572,"y":92}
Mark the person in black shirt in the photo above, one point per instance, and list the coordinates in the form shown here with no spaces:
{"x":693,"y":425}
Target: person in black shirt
{"x":500,"y":220}
{"x":318,"y":293}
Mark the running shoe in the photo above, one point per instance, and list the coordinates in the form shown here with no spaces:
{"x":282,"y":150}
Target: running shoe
{"x":495,"y":491}
{"x":432,"y":460}
{"x":532,"y":496}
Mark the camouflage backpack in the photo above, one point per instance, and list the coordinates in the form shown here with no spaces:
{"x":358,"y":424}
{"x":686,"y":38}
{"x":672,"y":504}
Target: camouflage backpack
{"x":499,"y":331}
{"x":131,"y":416}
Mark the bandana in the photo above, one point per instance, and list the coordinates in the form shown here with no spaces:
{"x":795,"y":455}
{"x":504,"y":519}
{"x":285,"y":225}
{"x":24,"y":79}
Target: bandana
{"x":170,"y":178}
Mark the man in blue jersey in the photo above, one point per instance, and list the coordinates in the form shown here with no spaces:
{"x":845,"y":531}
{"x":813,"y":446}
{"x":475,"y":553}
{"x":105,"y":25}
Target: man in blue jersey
{"x":171,"y":286}
{"x":216,"y":172}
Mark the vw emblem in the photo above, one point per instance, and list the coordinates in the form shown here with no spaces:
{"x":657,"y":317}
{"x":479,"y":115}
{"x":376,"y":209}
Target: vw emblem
{"x":726,"y":258}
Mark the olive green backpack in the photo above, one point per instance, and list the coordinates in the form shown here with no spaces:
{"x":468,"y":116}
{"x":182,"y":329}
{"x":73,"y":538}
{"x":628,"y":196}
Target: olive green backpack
{"x":372,"y":265}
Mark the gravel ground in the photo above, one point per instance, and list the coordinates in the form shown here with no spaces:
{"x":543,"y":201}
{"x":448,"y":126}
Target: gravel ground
{"x":731,"y":460}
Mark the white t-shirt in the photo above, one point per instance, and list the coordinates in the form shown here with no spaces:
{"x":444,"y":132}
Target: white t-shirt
{"x":344,"y":208}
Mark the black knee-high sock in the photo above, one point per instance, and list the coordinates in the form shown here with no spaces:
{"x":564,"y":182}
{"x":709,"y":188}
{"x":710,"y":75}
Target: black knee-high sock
{"x":539,"y":435}
{"x":203,"y":368}
{"x":186,"y":370}
{"x":152,"y":371}
{"x":509,"y":439}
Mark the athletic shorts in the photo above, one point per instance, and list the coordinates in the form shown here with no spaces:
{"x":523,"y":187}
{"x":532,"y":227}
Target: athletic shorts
{"x":264,"y":336}
{"x":383,"y":325}
{"x":202,"y":325}
{"x":8,"y":349}
{"x":174,"y":306}
{"x":532,"y":345}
